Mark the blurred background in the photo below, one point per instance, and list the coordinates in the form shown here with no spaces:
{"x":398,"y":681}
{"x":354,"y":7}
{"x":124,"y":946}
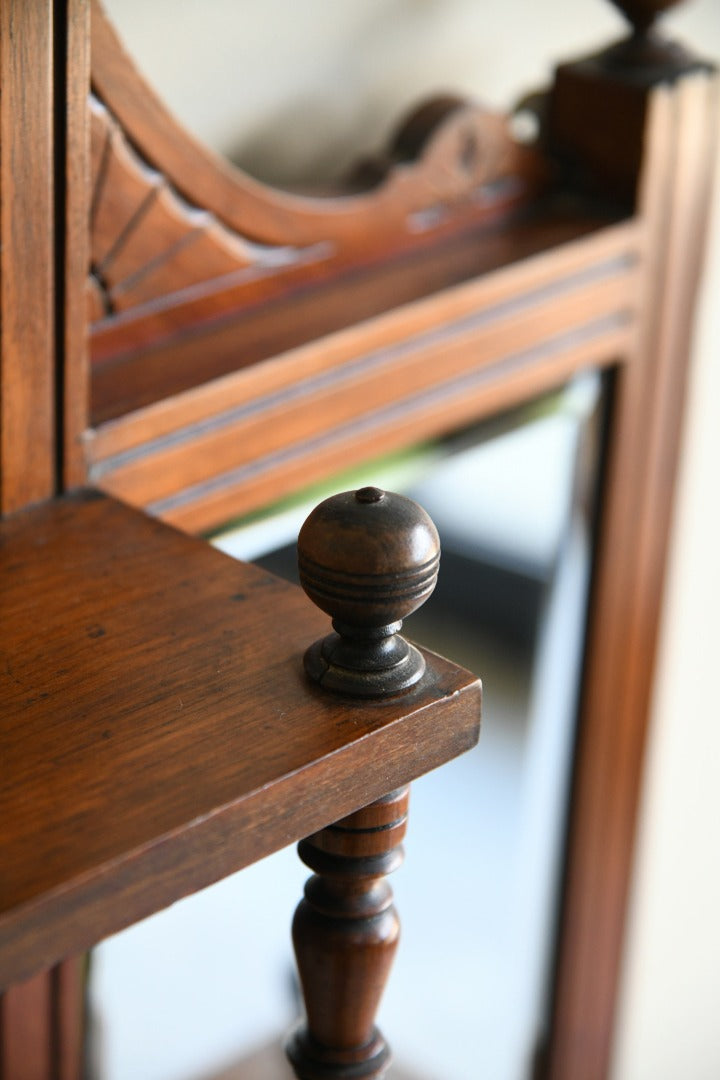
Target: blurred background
{"x":295,"y":92}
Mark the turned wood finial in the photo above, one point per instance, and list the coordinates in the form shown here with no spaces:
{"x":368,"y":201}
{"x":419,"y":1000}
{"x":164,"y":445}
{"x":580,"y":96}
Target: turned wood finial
{"x":368,"y":558}
{"x":646,"y":53}
{"x":643,"y":13}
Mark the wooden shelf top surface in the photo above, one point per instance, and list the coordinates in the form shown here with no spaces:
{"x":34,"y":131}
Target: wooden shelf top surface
{"x":156,"y":728}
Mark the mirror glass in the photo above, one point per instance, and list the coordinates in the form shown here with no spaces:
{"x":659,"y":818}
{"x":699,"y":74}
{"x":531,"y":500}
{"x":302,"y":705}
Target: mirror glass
{"x":197,"y":989}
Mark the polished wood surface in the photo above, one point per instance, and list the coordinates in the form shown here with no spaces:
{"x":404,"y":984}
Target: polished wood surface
{"x":681,"y":124}
{"x":369,"y":558}
{"x":73,"y":180}
{"x":40,"y":1021}
{"x":158,"y":731}
{"x":345,"y":933}
{"x":27,"y":255}
{"x":133,"y":367}
{"x":421,"y":370}
{"x":513,"y":270}
{"x":42,"y":1025}
{"x":27,"y":1050}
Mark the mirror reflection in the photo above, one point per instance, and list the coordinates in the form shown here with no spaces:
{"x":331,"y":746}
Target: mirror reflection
{"x":512,"y":501}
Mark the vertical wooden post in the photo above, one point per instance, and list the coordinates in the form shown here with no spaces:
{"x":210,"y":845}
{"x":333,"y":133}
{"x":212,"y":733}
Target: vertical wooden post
{"x":44,"y":68}
{"x":368,"y":558}
{"x":26,"y":1030}
{"x":667,"y":111}
{"x":73,"y":162}
{"x":27,"y":373}
{"x":27,"y":254}
{"x":41,"y":1025}
{"x":345,"y":933}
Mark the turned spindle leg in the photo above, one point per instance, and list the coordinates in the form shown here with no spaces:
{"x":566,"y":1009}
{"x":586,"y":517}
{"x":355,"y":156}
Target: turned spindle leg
{"x":368,"y":558}
{"x":345,"y":933}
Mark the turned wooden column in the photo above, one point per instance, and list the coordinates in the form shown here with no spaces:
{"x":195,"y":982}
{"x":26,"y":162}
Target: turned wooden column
{"x":368,"y":558}
{"x":345,"y":933}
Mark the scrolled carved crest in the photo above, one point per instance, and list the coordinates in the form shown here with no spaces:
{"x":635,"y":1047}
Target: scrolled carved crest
{"x":173,"y":222}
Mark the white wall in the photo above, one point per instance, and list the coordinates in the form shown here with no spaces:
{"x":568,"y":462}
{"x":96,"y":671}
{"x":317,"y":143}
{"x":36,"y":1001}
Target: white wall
{"x":352,"y":65}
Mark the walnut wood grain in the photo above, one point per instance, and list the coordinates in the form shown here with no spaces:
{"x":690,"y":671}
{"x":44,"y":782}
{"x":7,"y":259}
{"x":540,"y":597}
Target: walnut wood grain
{"x":409,"y":375}
{"x":157,"y":730}
{"x":27,"y":255}
{"x":680,"y":129}
{"x":517,"y":267}
{"x":41,"y":1025}
{"x":73,"y":152}
{"x":386,"y":379}
{"x":42,"y":109}
{"x":345,"y":934}
{"x":142,"y":361}
{"x":68,"y":1002}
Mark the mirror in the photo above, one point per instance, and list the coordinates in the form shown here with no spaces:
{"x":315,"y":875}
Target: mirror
{"x":196,"y":989}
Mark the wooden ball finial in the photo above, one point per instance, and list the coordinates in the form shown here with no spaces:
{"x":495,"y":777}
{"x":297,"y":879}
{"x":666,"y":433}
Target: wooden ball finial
{"x":646,"y":56}
{"x":643,"y":13}
{"x":368,"y":558}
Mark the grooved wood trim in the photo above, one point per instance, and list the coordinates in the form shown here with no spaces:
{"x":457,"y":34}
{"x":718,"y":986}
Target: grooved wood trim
{"x":524,"y":285}
{"x":268,"y":326}
{"x":74,"y":328}
{"x":409,"y":375}
{"x":27,"y":316}
{"x":681,"y":126}
{"x":430,"y":416}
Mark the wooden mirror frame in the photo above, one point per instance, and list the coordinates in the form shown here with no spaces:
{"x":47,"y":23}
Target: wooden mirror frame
{"x":513,"y":273}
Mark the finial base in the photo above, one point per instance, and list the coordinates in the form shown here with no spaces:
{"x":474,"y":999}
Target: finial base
{"x":646,"y":55}
{"x":364,"y":663}
{"x":311,"y":1061}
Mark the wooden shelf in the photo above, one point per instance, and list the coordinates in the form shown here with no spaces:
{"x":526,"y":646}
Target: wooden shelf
{"x":156,"y":729}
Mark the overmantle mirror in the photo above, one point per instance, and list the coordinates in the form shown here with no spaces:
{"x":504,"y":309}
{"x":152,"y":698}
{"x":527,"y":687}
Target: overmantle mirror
{"x":514,"y":503}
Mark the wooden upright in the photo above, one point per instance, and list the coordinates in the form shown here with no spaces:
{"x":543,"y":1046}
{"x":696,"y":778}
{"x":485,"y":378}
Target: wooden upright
{"x":668,"y":103}
{"x":345,"y":934}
